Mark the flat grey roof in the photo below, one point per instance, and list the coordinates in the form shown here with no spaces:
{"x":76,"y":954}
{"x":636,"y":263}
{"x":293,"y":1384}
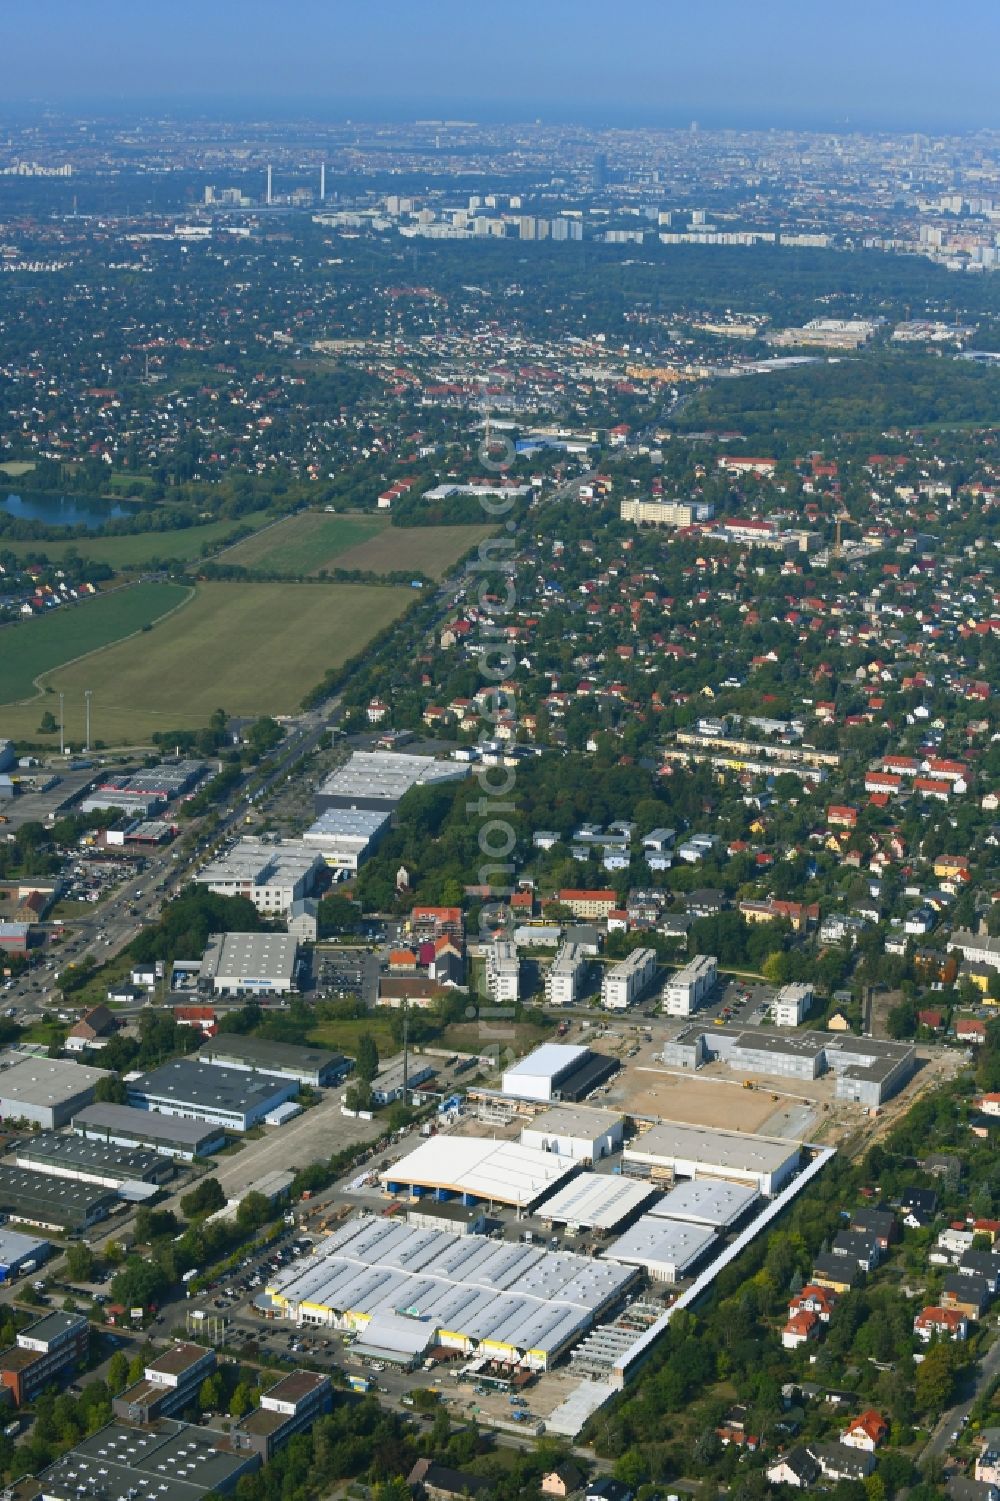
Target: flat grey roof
{"x":658,"y":1242}
{"x":347,"y":823}
{"x":53,"y":1325}
{"x":596,"y":1200}
{"x":124,"y":1120}
{"x":262,"y":1051}
{"x":29,"y":1080}
{"x":671,"y":1140}
{"x":388,"y":775}
{"x":208,"y":1085}
{"x":704,"y":1202}
{"x":19,"y":1185}
{"x":81,"y":1152}
{"x":14,"y":1246}
{"x":168,"y":1461}
{"x":576,"y":1120}
{"x":252,"y":956}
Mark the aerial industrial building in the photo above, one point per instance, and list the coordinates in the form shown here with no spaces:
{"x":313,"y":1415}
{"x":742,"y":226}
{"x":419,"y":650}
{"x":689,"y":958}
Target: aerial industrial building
{"x":558,"y":1071}
{"x":596,"y":1201}
{"x":513,"y":1303}
{"x":170,"y":1136}
{"x":228,"y":1097}
{"x":46,"y":1091}
{"x":868,"y":1072}
{"x":286,"y":1060}
{"x":666,"y":1249}
{"x":576,"y":1131}
{"x":173,"y":1461}
{"x":702,"y":1201}
{"x":672,"y":1150}
{"x":137,"y":1171}
{"x":272,"y":876}
{"x":625,"y":981}
{"x":33,"y":1198}
{"x":346,"y":837}
{"x":250,"y":963}
{"x":21,"y":1252}
{"x":379,"y":780}
{"x":478,"y":1170}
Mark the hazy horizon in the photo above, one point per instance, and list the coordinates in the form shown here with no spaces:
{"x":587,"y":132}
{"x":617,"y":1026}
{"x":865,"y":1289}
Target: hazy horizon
{"x":892,"y":67}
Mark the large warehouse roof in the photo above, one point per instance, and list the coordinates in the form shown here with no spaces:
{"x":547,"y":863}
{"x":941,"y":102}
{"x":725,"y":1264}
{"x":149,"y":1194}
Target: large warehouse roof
{"x":704,"y":1201}
{"x":502,"y":1171}
{"x":30,"y":1080}
{"x":665,"y":1247}
{"x":519,"y":1297}
{"x":727,"y":1149}
{"x":387,"y":775}
{"x":144,"y":1125}
{"x":597,"y":1201}
{"x":550,"y":1058}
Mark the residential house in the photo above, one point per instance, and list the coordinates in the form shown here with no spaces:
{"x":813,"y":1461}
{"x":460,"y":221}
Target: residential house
{"x":562,"y":1480}
{"x":797,"y":1468}
{"x":940,"y":1323}
{"x":866,"y":1432}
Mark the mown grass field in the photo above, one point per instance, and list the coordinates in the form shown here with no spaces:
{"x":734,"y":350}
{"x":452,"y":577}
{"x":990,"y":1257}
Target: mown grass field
{"x":314,"y":540}
{"x":33,"y":647}
{"x":304,"y":543}
{"x":141,"y":547}
{"x":247,"y":648}
{"x":424,"y":549}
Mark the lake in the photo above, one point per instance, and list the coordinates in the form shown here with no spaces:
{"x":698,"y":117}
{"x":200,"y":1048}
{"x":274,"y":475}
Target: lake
{"x":61,"y":511}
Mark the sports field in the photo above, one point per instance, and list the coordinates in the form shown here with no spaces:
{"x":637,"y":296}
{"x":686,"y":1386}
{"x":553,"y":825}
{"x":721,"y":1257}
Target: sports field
{"x":33,"y":647}
{"x":139,"y":548}
{"x":246,"y":648}
{"x":314,"y":540}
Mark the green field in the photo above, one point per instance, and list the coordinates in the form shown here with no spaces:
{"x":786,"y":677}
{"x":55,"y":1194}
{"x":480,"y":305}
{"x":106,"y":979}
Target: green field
{"x":246,"y":648}
{"x":14,"y":468}
{"x":33,"y":647}
{"x":304,"y":543}
{"x":314,"y":540}
{"x":424,"y":549}
{"x":140,"y":548}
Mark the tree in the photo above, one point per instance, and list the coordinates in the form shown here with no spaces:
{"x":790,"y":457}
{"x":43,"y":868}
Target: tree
{"x":79,"y":1262}
{"x":254,"y":1210}
{"x":358,"y":1097}
{"x":206,"y":1199}
{"x":935,"y":1379}
{"x":244,"y":1400}
{"x":118,"y":1373}
{"x":367,"y":1060}
{"x":210,"y":1392}
{"x":47,"y":723}
{"x":110,"y":1090}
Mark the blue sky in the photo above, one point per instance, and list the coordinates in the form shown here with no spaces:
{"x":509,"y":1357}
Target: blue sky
{"x":907,"y":64}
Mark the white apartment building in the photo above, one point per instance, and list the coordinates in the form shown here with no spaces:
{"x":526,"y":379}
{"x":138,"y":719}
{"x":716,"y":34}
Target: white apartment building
{"x":791,"y":1004}
{"x":624,"y":982}
{"x":503,"y":972}
{"x":685,"y":991}
{"x":562,"y":983}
